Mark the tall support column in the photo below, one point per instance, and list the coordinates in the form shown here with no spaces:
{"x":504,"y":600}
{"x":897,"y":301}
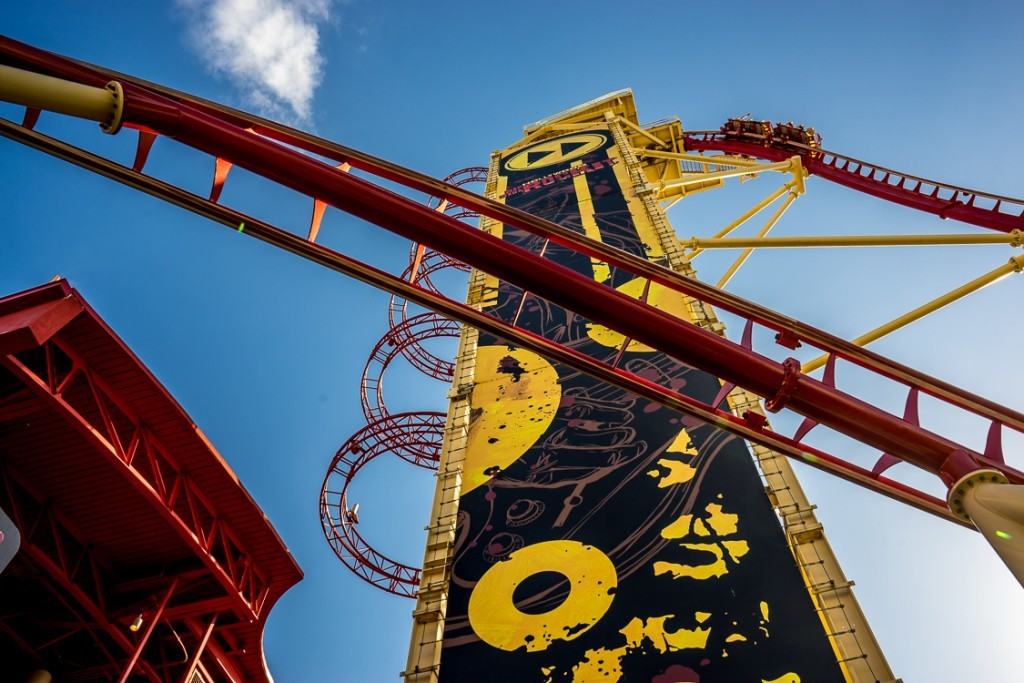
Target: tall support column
{"x":856,"y":648}
{"x":996,"y":508}
{"x":431,"y":600}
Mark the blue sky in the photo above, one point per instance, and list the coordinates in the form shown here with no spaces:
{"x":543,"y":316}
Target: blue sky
{"x":265,"y":351}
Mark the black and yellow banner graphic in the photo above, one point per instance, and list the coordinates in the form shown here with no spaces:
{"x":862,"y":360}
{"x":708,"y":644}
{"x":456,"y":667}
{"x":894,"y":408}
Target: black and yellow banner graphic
{"x":602,"y":537}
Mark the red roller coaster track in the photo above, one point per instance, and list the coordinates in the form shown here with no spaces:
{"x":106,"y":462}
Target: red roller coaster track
{"x":942,"y":199}
{"x":339,"y":519}
{"x":256,"y":144}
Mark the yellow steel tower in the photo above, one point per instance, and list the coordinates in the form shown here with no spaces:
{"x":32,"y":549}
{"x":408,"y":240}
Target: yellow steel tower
{"x":579,"y":534}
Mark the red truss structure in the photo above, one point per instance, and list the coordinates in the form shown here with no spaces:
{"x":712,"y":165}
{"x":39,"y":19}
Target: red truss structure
{"x":424,"y":262}
{"x":403,"y":332}
{"x":339,"y":518}
{"x":143,"y":558}
{"x":471,"y":175}
{"x":392,"y":345}
{"x":420,"y":273}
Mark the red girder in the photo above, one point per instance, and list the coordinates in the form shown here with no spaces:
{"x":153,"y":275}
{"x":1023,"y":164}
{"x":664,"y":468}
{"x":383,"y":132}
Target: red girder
{"x":108,"y":424}
{"x":230,"y":135}
{"x":339,"y":521}
{"x":545,"y":278}
{"x":325,"y":257}
{"x":942,"y":199}
{"x":430,"y":262}
{"x":414,"y":437}
{"x":417,"y":181}
{"x":424,"y":262}
{"x":54,"y":548}
{"x":371,"y":391}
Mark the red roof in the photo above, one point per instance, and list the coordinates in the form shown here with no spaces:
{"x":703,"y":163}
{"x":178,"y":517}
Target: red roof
{"x":89,"y":435}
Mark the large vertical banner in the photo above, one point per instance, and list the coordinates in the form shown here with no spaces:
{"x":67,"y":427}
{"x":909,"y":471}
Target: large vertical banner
{"x":602,"y":537}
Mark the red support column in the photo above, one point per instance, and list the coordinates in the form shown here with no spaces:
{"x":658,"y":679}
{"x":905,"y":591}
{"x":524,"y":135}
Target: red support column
{"x":149,"y":631}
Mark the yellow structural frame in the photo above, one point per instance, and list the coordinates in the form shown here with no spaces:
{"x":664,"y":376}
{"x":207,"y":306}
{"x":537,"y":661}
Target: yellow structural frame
{"x":720,"y":240}
{"x":1015,"y":265}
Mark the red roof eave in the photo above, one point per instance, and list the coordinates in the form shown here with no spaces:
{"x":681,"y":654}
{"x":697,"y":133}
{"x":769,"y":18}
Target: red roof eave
{"x":56,"y":313}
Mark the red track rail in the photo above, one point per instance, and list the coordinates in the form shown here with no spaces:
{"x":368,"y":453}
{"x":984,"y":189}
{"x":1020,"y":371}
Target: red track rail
{"x":283,"y":239}
{"x":423,"y":430}
{"x":471,"y":175}
{"x":393,"y":344}
{"x":409,"y":333}
{"x":979,"y":208}
{"x":422,"y":358}
{"x":229,"y":135}
{"x":781,"y":324}
{"x":25,"y":55}
{"x":414,"y":437}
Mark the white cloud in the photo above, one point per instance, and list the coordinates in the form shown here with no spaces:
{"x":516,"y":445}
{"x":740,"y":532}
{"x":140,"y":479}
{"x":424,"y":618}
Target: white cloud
{"x":269,"y":48}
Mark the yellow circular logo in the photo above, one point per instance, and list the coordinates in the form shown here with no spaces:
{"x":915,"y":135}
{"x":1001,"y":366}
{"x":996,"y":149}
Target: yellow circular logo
{"x":551,"y":152}
{"x":591,"y":582}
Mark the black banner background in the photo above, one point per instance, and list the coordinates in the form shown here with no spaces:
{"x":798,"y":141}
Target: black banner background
{"x":594,"y":476}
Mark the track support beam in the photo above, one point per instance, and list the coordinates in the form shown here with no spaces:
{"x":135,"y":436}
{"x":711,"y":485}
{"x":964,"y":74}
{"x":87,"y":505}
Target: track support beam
{"x":742,"y":258}
{"x":1015,"y":265}
{"x":1014,"y":239}
{"x":996,"y":508}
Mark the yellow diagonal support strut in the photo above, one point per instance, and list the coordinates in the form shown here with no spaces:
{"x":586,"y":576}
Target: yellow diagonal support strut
{"x":1014,"y":238}
{"x":718,"y":160}
{"x":764,"y":231}
{"x":1015,"y":265}
{"x":747,"y":215}
{"x":637,"y":129}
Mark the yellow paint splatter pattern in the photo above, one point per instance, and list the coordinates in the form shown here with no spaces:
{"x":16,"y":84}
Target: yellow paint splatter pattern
{"x":601,"y":665}
{"x":501,"y":624}
{"x":514,"y":401}
{"x":715,"y":522}
{"x":784,"y":678}
{"x":679,"y":470}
